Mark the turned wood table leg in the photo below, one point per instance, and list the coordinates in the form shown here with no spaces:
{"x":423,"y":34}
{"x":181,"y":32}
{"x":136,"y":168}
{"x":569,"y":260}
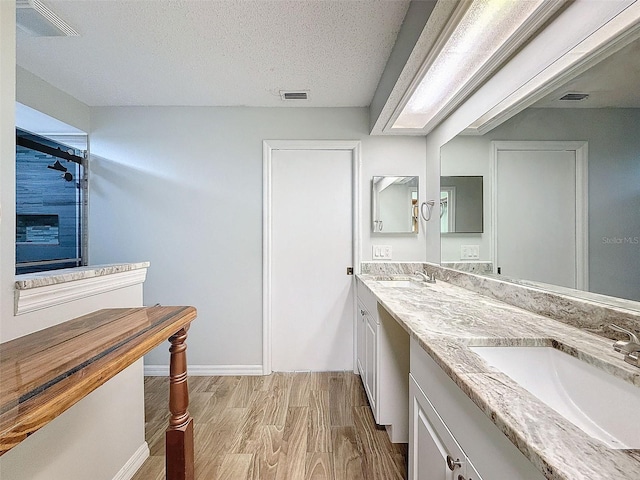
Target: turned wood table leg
{"x":179,"y":436}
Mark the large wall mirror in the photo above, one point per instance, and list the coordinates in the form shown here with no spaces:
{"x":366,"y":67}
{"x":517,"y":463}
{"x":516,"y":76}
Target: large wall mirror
{"x":394,"y":204}
{"x":562,"y":185}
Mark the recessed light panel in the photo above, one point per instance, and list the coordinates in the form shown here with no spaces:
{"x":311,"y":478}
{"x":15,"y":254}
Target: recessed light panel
{"x":479,"y":37}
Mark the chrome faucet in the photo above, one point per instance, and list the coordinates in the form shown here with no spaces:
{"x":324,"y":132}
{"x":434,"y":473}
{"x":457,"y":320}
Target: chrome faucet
{"x":630,"y":348}
{"x":425,"y":277}
{"x":421,"y":275}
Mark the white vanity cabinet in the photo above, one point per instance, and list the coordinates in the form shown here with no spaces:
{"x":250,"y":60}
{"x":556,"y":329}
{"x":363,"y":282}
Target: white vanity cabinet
{"x":445,"y":422}
{"x":382,"y":360}
{"x":435,"y":453}
{"x":366,"y":348}
{"x":361,"y":320}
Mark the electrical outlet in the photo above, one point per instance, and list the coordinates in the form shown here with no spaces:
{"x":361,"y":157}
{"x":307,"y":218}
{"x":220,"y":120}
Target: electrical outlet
{"x":381,"y":252}
{"x":469,"y":252}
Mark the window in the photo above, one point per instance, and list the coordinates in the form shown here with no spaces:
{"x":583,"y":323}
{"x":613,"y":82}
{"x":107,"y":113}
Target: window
{"x":51,"y":195}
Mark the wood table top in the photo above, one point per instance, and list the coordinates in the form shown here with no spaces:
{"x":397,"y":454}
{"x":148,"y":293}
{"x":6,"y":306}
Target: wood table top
{"x":46,"y":372}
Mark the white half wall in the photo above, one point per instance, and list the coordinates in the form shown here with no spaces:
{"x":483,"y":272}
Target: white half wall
{"x":100,"y":434}
{"x":94,"y":439}
{"x":182,"y":187}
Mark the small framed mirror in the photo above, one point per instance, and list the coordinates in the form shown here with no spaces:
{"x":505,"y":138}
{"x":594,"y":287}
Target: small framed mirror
{"x":461,"y":204}
{"x":394,"y":204}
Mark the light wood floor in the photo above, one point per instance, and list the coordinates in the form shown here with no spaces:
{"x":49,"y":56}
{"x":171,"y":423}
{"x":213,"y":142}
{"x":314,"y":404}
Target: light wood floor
{"x":289,"y":426}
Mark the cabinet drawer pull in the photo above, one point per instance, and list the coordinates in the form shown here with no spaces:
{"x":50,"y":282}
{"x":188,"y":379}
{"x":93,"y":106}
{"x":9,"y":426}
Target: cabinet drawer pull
{"x":362,"y":312}
{"x":460,"y":477}
{"x":453,"y":464}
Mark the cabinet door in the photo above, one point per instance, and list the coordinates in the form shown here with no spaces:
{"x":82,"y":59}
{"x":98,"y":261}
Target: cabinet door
{"x":360,"y":339}
{"x":472,"y":473}
{"x":433,"y":452}
{"x":370,"y":376}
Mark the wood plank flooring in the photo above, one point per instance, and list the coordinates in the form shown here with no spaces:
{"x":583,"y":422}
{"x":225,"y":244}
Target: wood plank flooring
{"x":285,"y":426}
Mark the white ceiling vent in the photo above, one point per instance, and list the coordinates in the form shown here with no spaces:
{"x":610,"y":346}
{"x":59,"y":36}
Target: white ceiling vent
{"x":575,"y":97}
{"x":35,"y":18}
{"x":293,"y":95}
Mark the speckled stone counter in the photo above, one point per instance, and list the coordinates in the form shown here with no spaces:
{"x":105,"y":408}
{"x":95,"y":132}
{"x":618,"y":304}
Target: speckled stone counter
{"x":55,"y":277}
{"x":446,"y":320}
{"x":587,"y":311}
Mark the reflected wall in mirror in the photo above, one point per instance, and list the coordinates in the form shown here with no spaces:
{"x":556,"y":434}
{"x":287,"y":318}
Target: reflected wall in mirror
{"x":394,"y":206}
{"x":606,"y":123}
{"x":460,"y":204}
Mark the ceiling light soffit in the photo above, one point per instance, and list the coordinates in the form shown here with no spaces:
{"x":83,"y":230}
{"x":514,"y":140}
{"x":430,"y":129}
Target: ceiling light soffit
{"x":479,"y":37}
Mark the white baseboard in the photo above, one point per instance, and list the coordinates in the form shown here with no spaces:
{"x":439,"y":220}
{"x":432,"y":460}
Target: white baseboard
{"x":134,"y":463}
{"x":205,"y":370}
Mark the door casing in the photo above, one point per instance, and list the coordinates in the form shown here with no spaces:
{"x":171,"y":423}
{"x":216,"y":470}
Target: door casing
{"x":581,"y":150}
{"x":268,"y":146}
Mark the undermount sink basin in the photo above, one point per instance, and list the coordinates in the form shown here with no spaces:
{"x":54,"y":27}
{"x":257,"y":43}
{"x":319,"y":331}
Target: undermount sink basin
{"x":600,"y":404}
{"x":398,"y":283}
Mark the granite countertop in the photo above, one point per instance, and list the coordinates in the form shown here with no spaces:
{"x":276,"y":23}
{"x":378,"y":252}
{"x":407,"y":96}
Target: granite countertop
{"x":54,"y":277}
{"x":446,"y":320}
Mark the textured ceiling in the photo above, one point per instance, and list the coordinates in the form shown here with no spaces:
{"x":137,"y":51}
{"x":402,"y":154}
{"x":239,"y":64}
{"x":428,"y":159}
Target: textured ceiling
{"x":209,"y":52}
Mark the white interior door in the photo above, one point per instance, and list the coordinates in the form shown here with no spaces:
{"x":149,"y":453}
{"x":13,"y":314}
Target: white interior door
{"x":536,"y":215}
{"x":312,"y":303}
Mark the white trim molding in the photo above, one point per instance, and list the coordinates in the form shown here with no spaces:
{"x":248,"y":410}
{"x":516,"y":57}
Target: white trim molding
{"x":38,"y":298}
{"x":130,"y":468}
{"x":268,"y":146}
{"x":581,"y":149}
{"x":604,"y":42}
{"x":205,"y":370}
{"x":523,"y":32}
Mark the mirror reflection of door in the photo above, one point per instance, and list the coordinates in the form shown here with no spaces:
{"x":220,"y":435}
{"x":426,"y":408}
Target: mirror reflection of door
{"x":537,"y":200}
{"x":461,"y":204}
{"x":447,"y":209}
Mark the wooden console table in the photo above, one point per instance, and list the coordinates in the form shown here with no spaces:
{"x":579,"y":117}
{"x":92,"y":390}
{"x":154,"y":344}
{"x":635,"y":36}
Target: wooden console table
{"x":46,"y":372}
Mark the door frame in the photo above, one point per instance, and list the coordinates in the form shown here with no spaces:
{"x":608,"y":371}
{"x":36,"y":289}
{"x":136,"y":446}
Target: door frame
{"x":268,"y":146}
{"x":451,"y":208}
{"x":581,"y":149}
